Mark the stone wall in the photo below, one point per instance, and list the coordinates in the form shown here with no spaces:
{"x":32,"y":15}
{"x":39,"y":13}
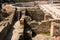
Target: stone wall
{"x":41,"y":28}
{"x":56,"y":29}
{"x":37,"y":15}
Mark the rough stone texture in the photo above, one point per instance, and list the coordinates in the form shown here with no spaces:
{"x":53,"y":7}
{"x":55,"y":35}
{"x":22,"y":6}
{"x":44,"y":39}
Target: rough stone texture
{"x":37,"y":15}
{"x":42,"y":28}
{"x":18,"y":31}
{"x":56,"y":29}
{"x":8,"y":8}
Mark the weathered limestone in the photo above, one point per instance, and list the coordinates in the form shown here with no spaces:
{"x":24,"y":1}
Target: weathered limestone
{"x":52,"y":28}
{"x":56,"y":29}
{"x":48,"y":9}
{"x":18,"y":28}
{"x":36,"y":15}
{"x":40,"y":28}
{"x":41,"y":21}
{"x":8,"y":8}
{"x":18,"y":31}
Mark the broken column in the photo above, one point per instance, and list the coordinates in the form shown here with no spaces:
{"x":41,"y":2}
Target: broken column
{"x":52,"y":27}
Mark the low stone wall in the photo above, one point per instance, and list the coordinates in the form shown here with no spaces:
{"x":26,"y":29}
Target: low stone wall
{"x":41,"y":28}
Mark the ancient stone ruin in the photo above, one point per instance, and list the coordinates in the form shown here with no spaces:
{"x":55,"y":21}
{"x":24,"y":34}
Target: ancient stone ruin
{"x":30,"y":22}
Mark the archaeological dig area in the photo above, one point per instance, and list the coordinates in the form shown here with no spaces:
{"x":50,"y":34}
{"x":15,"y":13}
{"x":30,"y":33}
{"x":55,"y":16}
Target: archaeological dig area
{"x":37,"y":20}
